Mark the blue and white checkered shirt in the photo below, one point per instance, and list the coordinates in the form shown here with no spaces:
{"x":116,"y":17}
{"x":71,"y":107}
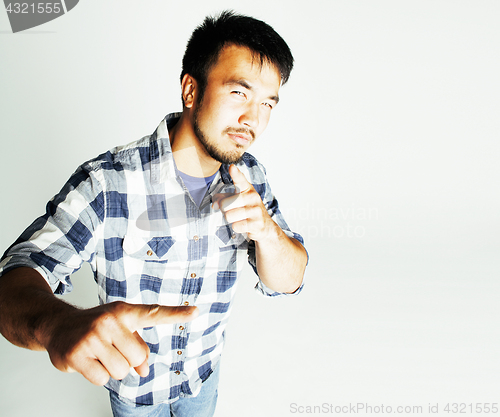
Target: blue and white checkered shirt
{"x":130,"y":216}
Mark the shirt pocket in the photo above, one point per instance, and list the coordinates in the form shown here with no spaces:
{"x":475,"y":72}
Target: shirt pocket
{"x":152,"y":270}
{"x":232,"y":247}
{"x":230,"y":255}
{"x":158,"y":249}
{"x":228,"y":239}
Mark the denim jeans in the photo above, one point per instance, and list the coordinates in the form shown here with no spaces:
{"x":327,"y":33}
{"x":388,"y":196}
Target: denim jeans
{"x":203,"y":405}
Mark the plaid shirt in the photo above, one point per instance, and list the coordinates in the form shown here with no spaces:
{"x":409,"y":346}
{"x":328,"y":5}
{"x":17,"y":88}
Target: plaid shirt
{"x":129,"y":215}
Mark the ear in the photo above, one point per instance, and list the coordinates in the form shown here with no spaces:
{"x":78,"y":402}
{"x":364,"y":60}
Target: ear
{"x":189,"y":88}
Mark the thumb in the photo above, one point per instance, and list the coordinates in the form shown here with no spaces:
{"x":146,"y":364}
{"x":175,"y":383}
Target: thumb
{"x":239,"y":180}
{"x":144,"y":315}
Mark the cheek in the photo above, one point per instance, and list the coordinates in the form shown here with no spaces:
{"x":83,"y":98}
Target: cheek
{"x":220,"y":116}
{"x":264,"y":117}
{"x":208,"y":118}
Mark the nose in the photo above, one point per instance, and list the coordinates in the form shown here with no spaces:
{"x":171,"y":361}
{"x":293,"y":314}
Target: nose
{"x":250,"y":116}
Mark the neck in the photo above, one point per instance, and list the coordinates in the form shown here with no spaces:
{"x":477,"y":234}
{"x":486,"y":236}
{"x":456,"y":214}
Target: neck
{"x":189,"y":154}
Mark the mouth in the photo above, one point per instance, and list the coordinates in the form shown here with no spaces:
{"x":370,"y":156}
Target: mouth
{"x":241,"y":139}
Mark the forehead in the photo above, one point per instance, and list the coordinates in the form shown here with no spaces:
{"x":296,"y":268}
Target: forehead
{"x":240,"y":62}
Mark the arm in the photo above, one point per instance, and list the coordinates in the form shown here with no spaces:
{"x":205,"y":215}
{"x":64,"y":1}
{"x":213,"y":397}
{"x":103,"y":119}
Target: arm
{"x":26,"y":301}
{"x":98,"y":343}
{"x":281,"y":260}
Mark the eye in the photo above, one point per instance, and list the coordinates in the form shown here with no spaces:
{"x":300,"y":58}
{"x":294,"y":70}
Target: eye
{"x":268,"y":105}
{"x":238,"y":93}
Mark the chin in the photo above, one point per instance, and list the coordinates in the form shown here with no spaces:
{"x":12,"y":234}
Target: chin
{"x":226,"y":157}
{"x":231,"y":159}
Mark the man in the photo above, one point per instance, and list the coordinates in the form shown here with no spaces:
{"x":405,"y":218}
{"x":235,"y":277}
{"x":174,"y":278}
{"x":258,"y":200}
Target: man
{"x":164,"y":223}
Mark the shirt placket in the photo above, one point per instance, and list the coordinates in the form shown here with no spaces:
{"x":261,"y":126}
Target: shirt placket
{"x":191,"y":287}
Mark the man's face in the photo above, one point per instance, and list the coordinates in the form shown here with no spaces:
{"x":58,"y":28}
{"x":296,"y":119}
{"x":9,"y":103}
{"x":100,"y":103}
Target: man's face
{"x":236,"y":104}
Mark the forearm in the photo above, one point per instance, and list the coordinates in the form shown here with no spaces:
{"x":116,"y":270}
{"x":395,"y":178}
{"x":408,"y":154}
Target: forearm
{"x":98,"y":342}
{"x":28,"y":308}
{"x":281,"y":261}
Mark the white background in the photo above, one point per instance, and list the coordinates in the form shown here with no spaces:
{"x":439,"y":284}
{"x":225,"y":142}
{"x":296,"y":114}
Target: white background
{"x":384,"y":153}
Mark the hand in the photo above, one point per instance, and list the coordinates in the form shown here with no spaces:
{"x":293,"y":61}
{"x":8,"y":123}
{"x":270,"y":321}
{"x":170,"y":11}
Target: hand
{"x":244,"y":209}
{"x":103,"y":341}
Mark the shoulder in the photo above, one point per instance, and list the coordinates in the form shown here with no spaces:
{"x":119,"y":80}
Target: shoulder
{"x":132,"y":156}
{"x":114,"y":169}
{"x":138,"y":155}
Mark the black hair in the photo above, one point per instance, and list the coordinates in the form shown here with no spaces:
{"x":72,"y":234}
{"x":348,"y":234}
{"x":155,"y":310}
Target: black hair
{"x":209,"y":38}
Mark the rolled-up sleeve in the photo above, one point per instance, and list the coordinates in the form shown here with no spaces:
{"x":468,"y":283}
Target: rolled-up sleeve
{"x":57,"y":243}
{"x":259,"y":181}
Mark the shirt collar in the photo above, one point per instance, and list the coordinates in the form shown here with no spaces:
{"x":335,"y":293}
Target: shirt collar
{"x":162,"y":160}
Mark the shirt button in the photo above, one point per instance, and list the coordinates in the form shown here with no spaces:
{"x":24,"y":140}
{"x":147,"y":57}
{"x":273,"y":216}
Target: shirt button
{"x":186,"y":303}
{"x":181,"y":328}
{"x":179,"y":352}
{"x":149,"y":252}
{"x":177,"y":372}
{"x":193,"y":275}
{"x":196,"y":238}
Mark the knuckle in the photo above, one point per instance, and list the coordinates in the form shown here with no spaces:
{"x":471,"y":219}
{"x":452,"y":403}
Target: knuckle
{"x":99,"y":378}
{"x":121,"y":372}
{"x":106,"y":320}
{"x":154,"y":309}
{"x":117,"y":307}
{"x":137,"y":359}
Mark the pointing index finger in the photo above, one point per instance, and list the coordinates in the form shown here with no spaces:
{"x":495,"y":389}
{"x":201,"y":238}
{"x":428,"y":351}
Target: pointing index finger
{"x":152,"y":315}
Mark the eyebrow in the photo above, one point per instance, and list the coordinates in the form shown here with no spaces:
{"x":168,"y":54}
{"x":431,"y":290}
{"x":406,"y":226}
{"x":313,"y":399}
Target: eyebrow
{"x":243,"y":83}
